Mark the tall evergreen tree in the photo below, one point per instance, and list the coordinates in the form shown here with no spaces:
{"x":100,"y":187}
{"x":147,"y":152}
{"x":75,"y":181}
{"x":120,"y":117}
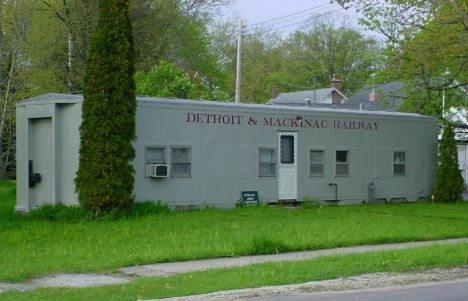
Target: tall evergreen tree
{"x":449,"y":182}
{"x":105,"y":177}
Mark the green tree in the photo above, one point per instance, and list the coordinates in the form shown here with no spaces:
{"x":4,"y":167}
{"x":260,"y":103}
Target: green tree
{"x":427,"y":42}
{"x":449,"y":181}
{"x":15,"y":20}
{"x":105,"y":177}
{"x":312,"y":54}
{"x":164,"y":80}
{"x":66,"y":42}
{"x":168,"y":80}
{"x":178,"y":32}
{"x":260,"y":62}
{"x":324,"y":47}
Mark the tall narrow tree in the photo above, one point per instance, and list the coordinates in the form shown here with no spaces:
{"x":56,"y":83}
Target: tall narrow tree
{"x":105,"y":177}
{"x":449,"y":182}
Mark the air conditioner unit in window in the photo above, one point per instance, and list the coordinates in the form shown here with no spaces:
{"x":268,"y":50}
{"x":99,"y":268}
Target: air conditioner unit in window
{"x":156,"y":170}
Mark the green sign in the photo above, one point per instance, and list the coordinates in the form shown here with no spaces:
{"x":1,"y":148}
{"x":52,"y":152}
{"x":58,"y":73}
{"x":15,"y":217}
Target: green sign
{"x":250,"y":197}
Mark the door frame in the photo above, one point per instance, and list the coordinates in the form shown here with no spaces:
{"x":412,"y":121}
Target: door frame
{"x":287,"y":166}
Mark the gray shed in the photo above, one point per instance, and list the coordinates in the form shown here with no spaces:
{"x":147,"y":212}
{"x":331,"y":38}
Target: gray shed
{"x":197,"y":153}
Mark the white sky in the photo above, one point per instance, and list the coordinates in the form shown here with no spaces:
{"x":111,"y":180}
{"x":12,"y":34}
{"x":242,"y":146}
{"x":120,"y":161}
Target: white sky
{"x":256,"y":11}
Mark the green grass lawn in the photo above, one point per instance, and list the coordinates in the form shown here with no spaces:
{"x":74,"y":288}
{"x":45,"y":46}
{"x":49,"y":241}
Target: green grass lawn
{"x":258,"y":275}
{"x":31,"y":247}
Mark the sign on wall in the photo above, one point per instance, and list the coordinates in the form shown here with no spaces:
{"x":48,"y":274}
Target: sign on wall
{"x":249,"y":197}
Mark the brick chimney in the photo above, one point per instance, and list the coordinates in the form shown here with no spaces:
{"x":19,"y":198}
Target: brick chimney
{"x":373,"y":96}
{"x":274,"y":91}
{"x":336,"y":83}
{"x":336,"y":98}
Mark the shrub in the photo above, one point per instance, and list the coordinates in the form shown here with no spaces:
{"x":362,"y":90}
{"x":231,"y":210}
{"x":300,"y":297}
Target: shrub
{"x":58,"y":213}
{"x":71,"y":214}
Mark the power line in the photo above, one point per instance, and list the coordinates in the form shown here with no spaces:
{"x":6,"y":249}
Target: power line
{"x":287,"y":16}
{"x":293,"y":24}
{"x":308,"y":18}
{"x":302,"y":18}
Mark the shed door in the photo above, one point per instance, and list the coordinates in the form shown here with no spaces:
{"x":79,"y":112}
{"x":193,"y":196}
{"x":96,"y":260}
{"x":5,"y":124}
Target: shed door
{"x":40,"y":153}
{"x":287,"y":168}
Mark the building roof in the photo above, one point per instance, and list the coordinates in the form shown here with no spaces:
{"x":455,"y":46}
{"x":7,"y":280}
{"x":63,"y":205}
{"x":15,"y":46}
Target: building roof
{"x":302,"y":98}
{"x":53,"y":98}
{"x":390,"y":96}
{"x":288,"y":109}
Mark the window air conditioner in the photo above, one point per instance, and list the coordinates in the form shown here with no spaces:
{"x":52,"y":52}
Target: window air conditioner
{"x":156,"y":170}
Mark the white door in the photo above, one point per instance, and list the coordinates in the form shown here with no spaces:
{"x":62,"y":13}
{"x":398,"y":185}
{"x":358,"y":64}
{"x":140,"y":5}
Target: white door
{"x":287,"y":168}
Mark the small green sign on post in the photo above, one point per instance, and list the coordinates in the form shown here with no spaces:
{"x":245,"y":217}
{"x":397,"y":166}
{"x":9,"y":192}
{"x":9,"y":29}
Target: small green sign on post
{"x":250,"y":197}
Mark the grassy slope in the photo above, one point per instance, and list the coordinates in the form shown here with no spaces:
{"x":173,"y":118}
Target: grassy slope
{"x":31,"y":247}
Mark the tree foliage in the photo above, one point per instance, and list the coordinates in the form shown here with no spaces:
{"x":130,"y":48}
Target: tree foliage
{"x":169,"y":80}
{"x":15,"y":20}
{"x":427,"y":48}
{"x":313,"y":53}
{"x":105,"y":179}
{"x":46,"y":46}
{"x":449,"y":182}
{"x":164,"y":80}
{"x":325,"y":47}
{"x":72,"y":23}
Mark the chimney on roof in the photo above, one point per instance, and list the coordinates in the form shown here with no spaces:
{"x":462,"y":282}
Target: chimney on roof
{"x":336,"y":98}
{"x":274,"y":91}
{"x":373,"y":96}
{"x":336,"y":83}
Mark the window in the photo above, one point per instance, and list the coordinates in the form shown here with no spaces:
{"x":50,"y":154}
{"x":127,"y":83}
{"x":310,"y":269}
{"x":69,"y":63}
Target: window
{"x":155,"y":155}
{"x":266,"y":162}
{"x":287,"y":149}
{"x":316,"y":162}
{"x":181,"y":162}
{"x":399,"y":163}
{"x":342,"y":163}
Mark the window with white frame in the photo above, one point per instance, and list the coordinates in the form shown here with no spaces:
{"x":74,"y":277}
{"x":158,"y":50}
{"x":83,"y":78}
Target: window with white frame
{"x":266,"y":162}
{"x":342,"y":163}
{"x":399,"y":163}
{"x":181,"y":165}
{"x":316,"y":163}
{"x":155,"y":155}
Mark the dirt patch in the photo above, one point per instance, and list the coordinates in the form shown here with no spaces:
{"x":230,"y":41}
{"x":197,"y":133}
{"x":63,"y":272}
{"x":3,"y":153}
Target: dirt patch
{"x":66,"y":280}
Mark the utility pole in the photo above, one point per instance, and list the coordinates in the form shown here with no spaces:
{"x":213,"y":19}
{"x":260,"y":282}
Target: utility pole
{"x":1,"y":47}
{"x":315,"y":93}
{"x":238,"y":68}
{"x":1,"y":89}
{"x":69,"y":65}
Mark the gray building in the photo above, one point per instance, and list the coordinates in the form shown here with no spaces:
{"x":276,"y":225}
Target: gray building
{"x":197,"y":153}
{"x":324,"y":97}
